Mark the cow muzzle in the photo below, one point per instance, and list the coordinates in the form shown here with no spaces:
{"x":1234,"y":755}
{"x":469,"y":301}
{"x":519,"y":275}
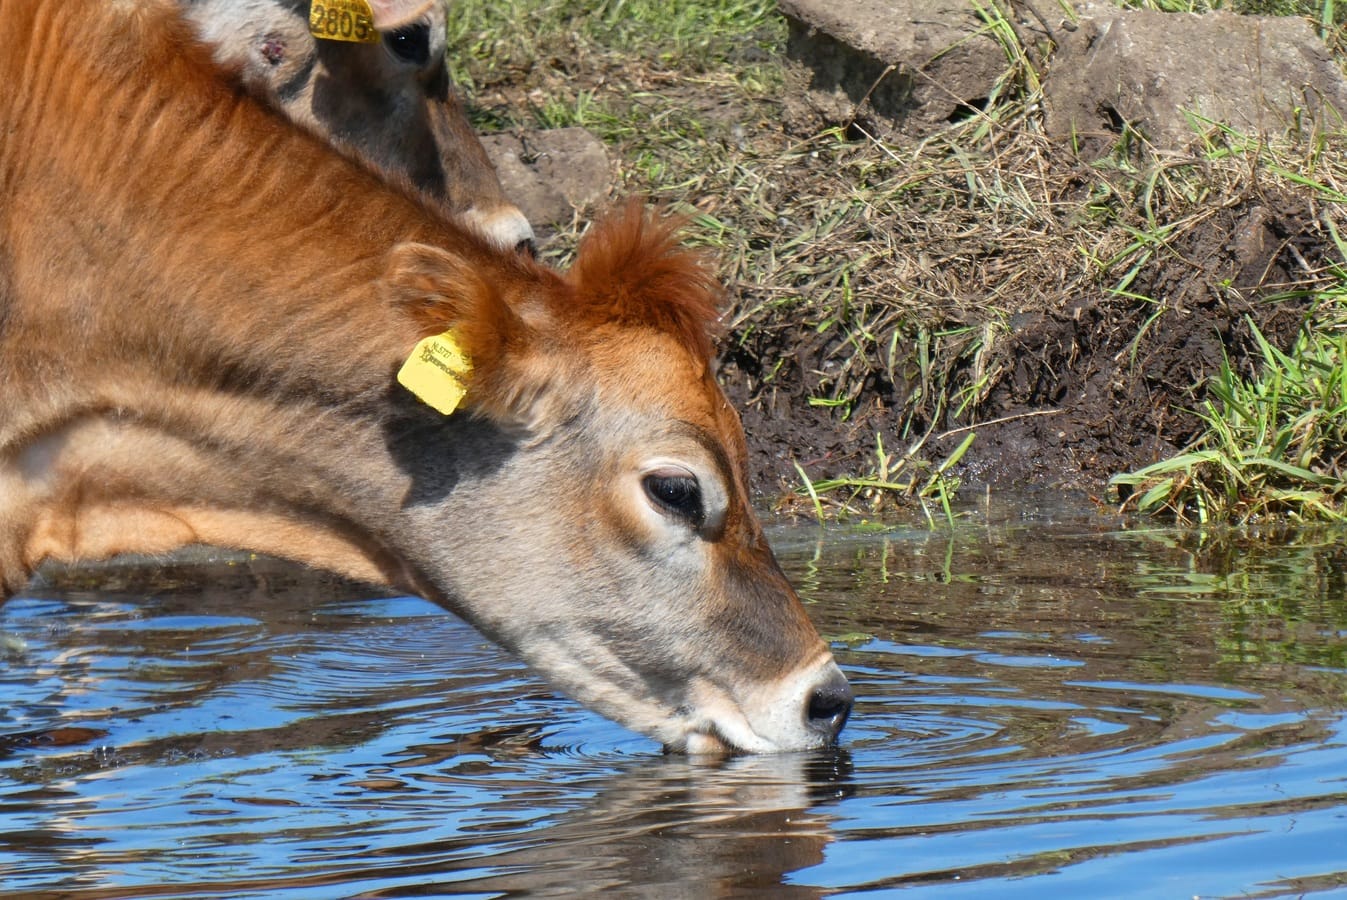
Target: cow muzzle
{"x":804,"y":711}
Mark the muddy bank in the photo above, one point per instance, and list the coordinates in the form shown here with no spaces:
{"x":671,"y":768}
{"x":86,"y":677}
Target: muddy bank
{"x":1077,"y":390}
{"x":1067,"y":374}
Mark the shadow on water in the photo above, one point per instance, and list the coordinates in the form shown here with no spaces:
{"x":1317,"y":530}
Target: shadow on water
{"x":1048,"y":703}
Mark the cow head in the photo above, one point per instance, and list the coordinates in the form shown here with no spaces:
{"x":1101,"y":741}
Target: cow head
{"x":612,"y":543}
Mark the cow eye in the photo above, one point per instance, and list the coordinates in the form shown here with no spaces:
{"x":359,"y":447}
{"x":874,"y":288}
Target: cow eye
{"x":411,"y":43}
{"x":679,"y":495}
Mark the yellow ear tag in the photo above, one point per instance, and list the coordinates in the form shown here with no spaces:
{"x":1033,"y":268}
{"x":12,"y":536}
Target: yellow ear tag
{"x":437,"y":372}
{"x":343,"y":20}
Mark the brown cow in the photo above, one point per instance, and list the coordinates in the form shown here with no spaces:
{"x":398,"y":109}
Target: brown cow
{"x":386,"y":101}
{"x":200,"y":327}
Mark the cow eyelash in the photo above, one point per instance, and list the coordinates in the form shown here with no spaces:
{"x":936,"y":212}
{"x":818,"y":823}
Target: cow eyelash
{"x":411,"y":44}
{"x":679,"y":495}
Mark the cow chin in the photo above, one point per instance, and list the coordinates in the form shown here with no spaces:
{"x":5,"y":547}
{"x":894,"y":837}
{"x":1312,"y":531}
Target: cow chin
{"x":699,"y":716}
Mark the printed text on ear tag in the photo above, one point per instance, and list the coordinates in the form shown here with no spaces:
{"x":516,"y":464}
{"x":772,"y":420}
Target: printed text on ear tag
{"x":437,"y":372}
{"x":343,"y":20}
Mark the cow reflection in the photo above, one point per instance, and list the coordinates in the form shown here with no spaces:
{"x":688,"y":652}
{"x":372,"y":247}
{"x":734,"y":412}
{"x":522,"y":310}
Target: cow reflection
{"x":670,"y":827}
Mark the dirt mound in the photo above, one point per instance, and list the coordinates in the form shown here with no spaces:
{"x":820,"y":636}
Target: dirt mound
{"x":1073,"y":293}
{"x":1156,"y":73}
{"x":1082,"y":383}
{"x":1120,"y":375}
{"x":908,"y":66}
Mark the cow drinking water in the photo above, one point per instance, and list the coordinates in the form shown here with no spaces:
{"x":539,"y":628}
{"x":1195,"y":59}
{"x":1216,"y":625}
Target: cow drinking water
{"x":204,"y":316}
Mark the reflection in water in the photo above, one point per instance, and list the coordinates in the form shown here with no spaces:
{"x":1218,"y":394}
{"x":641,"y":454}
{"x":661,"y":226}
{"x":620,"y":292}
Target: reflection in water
{"x":680,"y":828}
{"x":1046,"y":703}
{"x":1099,"y":706}
{"x":264,"y":738}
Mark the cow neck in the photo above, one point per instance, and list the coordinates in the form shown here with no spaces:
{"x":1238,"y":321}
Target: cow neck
{"x":210,"y":273}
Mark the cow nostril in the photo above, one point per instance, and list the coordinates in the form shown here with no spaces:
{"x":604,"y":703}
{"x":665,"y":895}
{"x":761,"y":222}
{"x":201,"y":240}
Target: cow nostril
{"x":829,"y":705}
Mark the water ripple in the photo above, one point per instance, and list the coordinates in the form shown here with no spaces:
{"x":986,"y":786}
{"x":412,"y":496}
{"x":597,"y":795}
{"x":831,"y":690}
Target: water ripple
{"x":1038,"y":711}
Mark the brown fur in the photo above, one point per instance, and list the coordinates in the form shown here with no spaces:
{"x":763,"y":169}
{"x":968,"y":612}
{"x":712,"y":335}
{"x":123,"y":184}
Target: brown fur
{"x":202,"y":309}
{"x":184,"y":291}
{"x":632,"y":270}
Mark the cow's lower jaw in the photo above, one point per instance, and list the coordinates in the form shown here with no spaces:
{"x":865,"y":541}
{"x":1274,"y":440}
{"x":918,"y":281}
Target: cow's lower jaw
{"x":701,"y":743}
{"x":700,"y":713}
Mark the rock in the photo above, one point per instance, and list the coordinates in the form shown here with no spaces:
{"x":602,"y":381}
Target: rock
{"x":898,"y":64}
{"x":550,"y":175}
{"x":1149,"y":70}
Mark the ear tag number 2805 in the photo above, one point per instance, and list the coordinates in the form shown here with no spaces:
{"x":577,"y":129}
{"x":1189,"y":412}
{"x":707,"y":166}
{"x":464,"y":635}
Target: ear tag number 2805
{"x":343,"y":20}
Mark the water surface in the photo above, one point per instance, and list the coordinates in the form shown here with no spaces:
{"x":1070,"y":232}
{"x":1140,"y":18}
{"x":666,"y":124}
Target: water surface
{"x":1048,"y":704}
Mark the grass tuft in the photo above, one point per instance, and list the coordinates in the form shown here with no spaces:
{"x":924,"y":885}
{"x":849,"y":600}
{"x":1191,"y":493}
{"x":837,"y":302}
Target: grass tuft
{"x":1274,"y":445}
{"x":890,"y":481}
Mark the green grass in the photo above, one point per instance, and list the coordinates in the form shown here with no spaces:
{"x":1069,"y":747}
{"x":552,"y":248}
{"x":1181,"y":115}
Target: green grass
{"x":491,"y":40}
{"x":893,"y":479}
{"x":1274,"y":443}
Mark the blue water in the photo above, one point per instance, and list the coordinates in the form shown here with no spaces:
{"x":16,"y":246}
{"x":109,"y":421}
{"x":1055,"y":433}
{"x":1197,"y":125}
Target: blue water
{"x":1049,"y":705}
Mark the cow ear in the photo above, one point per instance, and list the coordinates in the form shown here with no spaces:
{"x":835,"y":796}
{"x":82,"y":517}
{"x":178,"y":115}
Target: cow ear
{"x":510,"y":371}
{"x":392,"y":14}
